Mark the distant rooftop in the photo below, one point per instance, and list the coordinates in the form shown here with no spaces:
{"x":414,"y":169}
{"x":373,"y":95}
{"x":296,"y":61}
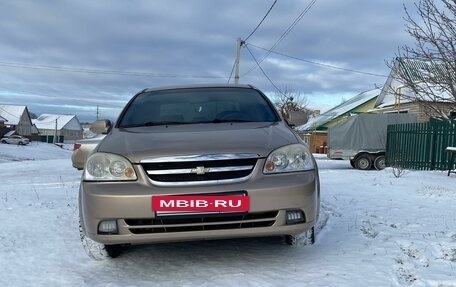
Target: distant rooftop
{"x":339,"y":110}
{"x":429,"y":75}
{"x":11,"y":113}
{"x":48,"y":121}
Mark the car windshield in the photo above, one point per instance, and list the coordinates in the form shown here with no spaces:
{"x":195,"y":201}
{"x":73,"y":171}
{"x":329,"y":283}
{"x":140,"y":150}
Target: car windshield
{"x":197,"y":105}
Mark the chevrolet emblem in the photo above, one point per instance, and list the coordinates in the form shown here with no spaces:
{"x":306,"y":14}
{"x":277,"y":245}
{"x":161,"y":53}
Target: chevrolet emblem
{"x":199,"y":170}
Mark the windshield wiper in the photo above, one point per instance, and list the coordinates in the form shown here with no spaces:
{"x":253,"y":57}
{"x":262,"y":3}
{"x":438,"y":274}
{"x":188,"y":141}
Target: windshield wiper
{"x":149,"y":124}
{"x":214,"y":121}
{"x":217,"y":121}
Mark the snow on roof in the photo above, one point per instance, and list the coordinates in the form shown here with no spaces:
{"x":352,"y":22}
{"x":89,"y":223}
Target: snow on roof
{"x":10,"y":133}
{"x":416,"y":71}
{"x":11,"y":113}
{"x":341,"y":109}
{"x":2,"y":119}
{"x":47,"y":121}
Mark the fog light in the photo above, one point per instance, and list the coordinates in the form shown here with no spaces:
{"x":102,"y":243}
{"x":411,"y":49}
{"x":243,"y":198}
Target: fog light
{"x":107,"y":227}
{"x":295,"y":216}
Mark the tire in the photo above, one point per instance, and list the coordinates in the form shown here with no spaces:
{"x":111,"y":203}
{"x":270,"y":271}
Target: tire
{"x":379,"y":162}
{"x":4,"y":142}
{"x":20,"y":143}
{"x":95,"y":250}
{"x":303,"y":239}
{"x":363,"y":162}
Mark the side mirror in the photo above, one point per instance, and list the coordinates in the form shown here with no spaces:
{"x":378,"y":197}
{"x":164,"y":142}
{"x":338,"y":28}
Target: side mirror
{"x":101,"y":126}
{"x":291,"y":125}
{"x":297,"y":118}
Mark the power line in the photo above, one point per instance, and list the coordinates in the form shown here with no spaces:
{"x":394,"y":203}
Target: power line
{"x":259,"y":24}
{"x":284,"y":35}
{"x":9,"y":113}
{"x":264,"y":73}
{"x":296,"y":21}
{"x":107,"y":72}
{"x":1,"y":108}
{"x":28,"y":93}
{"x":232,"y":70}
{"x":241,"y":43}
{"x":320,"y":64}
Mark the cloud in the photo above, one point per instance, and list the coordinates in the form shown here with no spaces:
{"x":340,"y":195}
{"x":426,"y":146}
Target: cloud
{"x":185,"y":39}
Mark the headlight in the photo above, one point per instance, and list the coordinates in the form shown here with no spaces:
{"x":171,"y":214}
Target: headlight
{"x":290,"y":158}
{"x":108,"y":167}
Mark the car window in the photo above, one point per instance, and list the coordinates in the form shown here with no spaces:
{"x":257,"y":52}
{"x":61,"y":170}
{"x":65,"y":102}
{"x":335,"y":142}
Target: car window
{"x":188,"y":106}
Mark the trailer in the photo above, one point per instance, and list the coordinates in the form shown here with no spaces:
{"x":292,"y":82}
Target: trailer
{"x":362,"y":139}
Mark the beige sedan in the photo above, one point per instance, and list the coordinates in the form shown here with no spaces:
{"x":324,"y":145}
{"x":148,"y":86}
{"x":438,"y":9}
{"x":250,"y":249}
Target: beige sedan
{"x":197,"y":163}
{"x":82,"y":149}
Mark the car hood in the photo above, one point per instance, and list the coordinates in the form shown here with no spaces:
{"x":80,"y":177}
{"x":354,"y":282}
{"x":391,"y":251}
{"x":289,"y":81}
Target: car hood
{"x":177,"y":140}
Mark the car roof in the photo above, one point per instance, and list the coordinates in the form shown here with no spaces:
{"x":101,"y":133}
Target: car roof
{"x":244,"y":86}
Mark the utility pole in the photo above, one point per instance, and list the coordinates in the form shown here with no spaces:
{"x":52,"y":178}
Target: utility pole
{"x":55,"y":133}
{"x":236,"y":63}
{"x":97,"y":113}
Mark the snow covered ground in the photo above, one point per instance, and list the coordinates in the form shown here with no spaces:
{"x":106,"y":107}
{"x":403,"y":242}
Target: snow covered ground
{"x":377,"y":230}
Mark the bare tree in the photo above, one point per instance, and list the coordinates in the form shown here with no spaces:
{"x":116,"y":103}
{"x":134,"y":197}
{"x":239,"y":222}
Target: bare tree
{"x":428,"y":68}
{"x":290,"y":101}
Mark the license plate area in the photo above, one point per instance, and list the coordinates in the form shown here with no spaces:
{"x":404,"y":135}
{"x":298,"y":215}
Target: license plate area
{"x":210,"y":204}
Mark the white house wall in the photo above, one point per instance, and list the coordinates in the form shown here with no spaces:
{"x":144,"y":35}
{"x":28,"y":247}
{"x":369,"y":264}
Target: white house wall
{"x":67,"y":126}
{"x":24,"y":126}
{"x":73,"y":125}
{"x":17,"y":118}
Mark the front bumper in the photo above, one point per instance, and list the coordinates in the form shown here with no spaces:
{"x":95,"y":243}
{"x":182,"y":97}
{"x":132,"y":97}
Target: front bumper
{"x":129,"y":203}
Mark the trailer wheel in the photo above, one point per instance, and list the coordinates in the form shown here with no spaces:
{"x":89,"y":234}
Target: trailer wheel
{"x":379,"y":162}
{"x":363,"y":162}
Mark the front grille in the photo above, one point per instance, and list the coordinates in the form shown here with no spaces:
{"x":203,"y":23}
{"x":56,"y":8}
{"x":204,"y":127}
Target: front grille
{"x":200,"y":169}
{"x":201,"y":222}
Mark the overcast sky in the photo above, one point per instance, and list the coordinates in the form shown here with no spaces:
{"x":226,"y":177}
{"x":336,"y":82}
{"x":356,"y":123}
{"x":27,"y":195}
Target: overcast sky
{"x":67,"y":57}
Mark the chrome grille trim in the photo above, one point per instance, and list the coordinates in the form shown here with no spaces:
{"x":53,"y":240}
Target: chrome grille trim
{"x":200,"y":157}
{"x":189,"y":170}
{"x":195,"y":183}
{"x":206,"y":169}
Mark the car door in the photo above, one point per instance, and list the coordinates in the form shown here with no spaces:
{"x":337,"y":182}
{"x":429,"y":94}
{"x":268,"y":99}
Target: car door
{"x":14,"y":140}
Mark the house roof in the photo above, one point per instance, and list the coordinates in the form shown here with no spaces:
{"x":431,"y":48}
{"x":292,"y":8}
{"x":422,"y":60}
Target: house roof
{"x":12,"y":113}
{"x":424,"y":73}
{"x":418,"y":70}
{"x":2,"y":119}
{"x":340,"y":110}
{"x":47,"y":121}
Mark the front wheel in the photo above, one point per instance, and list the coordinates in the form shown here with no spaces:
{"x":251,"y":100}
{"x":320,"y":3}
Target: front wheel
{"x":3,"y":141}
{"x":95,"y":250}
{"x":303,"y":239}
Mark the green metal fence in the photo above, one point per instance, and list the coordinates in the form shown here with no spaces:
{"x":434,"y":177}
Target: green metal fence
{"x":50,"y":139}
{"x":420,"y":146}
